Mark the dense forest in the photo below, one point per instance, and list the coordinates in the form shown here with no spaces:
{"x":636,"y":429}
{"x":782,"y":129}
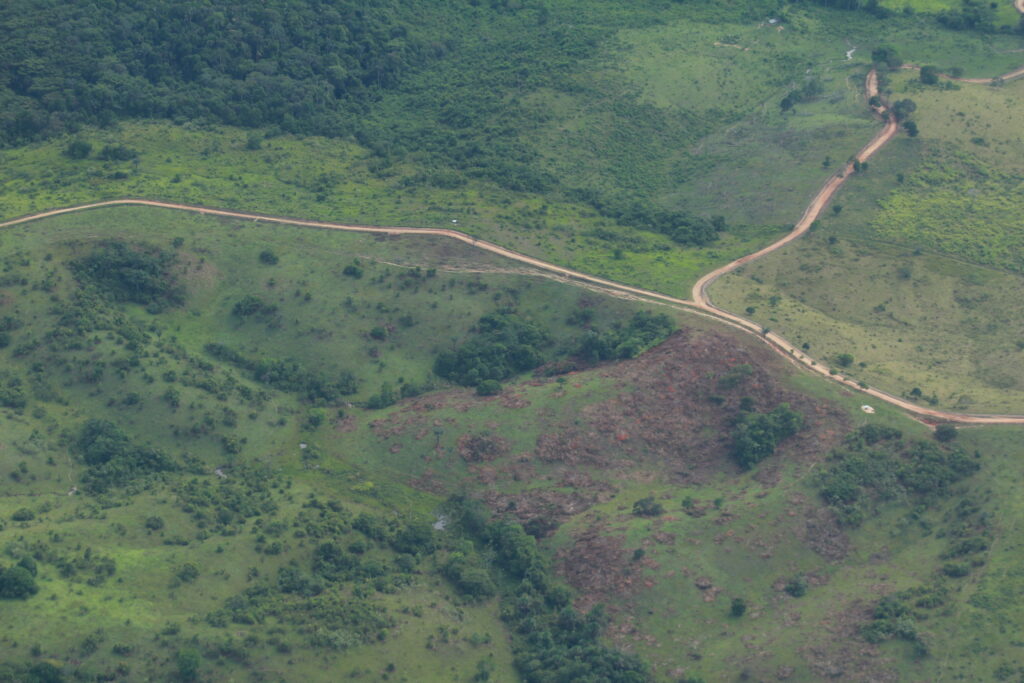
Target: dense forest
{"x":305,"y":66}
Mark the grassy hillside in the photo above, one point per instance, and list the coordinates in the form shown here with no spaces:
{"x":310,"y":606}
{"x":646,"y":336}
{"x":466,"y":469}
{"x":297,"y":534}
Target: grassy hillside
{"x":233,"y":522}
{"x":176,"y":393}
{"x":928,"y":236}
{"x":241,"y":451}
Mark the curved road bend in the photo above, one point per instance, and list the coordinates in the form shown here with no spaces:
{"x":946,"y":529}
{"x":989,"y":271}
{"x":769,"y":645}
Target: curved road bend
{"x":701,"y":304}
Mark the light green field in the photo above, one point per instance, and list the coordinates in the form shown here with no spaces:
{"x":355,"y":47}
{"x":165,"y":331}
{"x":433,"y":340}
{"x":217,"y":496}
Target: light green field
{"x":1006,"y":15}
{"x":929,"y":240}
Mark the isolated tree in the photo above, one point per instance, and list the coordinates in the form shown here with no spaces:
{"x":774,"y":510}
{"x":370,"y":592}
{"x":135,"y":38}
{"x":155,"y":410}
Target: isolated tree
{"x":844,"y":360}
{"x":886,"y":56}
{"x":738,"y":608}
{"x":929,"y":75}
{"x":911,"y":128}
{"x":17,"y":583}
{"x":647,"y":507}
{"x":903,"y":109}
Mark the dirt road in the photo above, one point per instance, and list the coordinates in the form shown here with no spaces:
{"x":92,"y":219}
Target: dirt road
{"x":775,"y":341}
{"x":700,"y":305}
{"x":817,"y":205}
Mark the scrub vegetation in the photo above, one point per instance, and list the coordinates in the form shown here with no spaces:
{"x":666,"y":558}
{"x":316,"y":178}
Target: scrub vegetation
{"x":238,"y":450}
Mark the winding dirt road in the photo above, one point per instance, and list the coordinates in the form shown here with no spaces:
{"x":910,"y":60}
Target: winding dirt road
{"x":701,"y":303}
{"x":817,"y":205}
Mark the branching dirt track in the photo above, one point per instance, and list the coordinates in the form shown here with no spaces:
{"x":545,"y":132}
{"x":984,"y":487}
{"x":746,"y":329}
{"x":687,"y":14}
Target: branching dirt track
{"x":700,"y":305}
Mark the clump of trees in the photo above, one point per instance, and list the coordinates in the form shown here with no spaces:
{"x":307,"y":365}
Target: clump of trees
{"x":504,"y":344}
{"x":12,"y":391}
{"x":19,"y":582}
{"x":551,"y":640}
{"x":755,"y":436}
{"x":648,"y":507}
{"x":809,"y":91}
{"x":137,"y":273}
{"x":112,"y":459}
{"x":887,"y":57}
{"x":972,"y":15}
{"x":679,"y":226}
{"x":319,"y":388}
{"x":876,"y":464}
{"x":251,"y":305}
{"x":624,"y":341}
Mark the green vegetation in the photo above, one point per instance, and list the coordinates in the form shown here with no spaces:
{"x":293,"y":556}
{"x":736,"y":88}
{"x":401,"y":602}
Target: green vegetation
{"x":170,"y":443}
{"x":136,"y":273}
{"x":927,"y":237}
{"x":504,"y":345}
{"x":755,"y":436}
{"x":195,"y":499}
{"x":233,"y":449}
{"x":876,"y":465}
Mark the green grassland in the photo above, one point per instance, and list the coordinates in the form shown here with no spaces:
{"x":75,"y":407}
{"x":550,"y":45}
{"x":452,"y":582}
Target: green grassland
{"x":205,"y":558}
{"x":1005,"y":15}
{"x":928,"y":238}
{"x":107,"y":578}
{"x":223,"y":576}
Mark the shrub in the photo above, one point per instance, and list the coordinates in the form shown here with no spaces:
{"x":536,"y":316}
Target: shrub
{"x":23,"y":515}
{"x":648,"y":507}
{"x":797,"y":586}
{"x":945,"y":432}
{"x":17,"y":583}
{"x":78,"y":149}
{"x":489,"y":387}
{"x":738,"y":607}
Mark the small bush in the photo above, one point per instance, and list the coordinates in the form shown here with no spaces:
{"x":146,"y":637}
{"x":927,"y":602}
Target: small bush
{"x":489,"y":387}
{"x":78,"y":149}
{"x":797,"y":586}
{"x":647,"y":507}
{"x":23,"y":515}
{"x":17,"y":583}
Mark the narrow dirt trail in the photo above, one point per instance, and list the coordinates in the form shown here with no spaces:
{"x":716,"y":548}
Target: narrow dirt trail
{"x":701,"y":303}
{"x":817,"y":205}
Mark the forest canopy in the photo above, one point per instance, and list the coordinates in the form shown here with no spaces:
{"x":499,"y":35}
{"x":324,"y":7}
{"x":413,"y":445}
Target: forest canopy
{"x":284,"y":62}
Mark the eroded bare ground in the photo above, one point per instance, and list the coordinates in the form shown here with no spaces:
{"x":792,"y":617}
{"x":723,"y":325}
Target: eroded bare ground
{"x":671,"y":420}
{"x":668,"y":422}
